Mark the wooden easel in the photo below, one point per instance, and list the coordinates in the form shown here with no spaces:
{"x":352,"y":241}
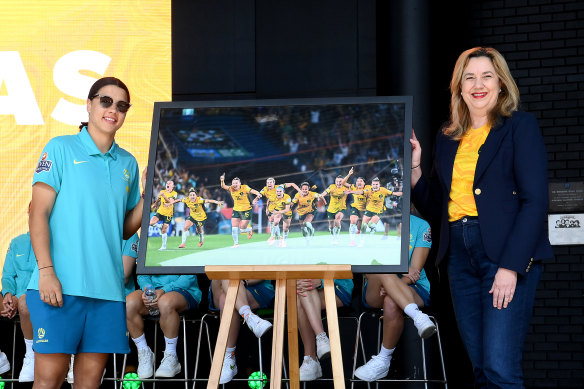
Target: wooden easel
{"x":285,"y":276}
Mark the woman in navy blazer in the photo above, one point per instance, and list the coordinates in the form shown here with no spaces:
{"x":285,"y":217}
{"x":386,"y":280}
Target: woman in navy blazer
{"x":488,"y":193}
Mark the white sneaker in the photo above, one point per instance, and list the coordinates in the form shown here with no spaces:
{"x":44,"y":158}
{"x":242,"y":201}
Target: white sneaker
{"x":376,"y":369}
{"x":27,"y":372}
{"x":258,"y":325}
{"x":4,"y":363}
{"x":425,"y":326}
{"x":229,"y":369}
{"x":169,"y":367}
{"x":310,"y":370}
{"x":70,"y":378}
{"x":145,"y":363}
{"x":323,"y":347}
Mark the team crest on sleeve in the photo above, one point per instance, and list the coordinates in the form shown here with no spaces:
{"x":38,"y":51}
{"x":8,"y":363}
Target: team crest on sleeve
{"x":44,"y":164}
{"x":126,"y":175}
{"x":427,"y":236}
{"x":135,"y":247}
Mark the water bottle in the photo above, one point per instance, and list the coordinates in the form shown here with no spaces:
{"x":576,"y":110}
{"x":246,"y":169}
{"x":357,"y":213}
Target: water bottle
{"x":151,"y":295}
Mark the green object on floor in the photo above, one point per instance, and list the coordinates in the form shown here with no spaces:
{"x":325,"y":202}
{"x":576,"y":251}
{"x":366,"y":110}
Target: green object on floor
{"x":130,"y":384}
{"x":255,"y":381}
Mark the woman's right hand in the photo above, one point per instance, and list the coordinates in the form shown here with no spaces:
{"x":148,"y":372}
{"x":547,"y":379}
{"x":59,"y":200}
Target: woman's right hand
{"x":50,"y":290}
{"x":416,"y":159}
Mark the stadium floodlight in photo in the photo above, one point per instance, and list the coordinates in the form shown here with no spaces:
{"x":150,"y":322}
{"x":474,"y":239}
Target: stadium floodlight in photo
{"x":278,"y":182}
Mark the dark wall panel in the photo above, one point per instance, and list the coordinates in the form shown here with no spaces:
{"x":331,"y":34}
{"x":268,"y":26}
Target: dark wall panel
{"x":213,"y":47}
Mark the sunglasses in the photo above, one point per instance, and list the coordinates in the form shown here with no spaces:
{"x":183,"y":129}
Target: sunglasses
{"x":106,"y":102}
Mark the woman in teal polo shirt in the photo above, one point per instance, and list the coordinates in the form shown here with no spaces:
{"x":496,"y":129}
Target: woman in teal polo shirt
{"x":85,"y":200}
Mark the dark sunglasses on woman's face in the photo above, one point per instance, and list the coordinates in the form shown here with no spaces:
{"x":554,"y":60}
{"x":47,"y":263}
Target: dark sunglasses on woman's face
{"x":106,"y":102}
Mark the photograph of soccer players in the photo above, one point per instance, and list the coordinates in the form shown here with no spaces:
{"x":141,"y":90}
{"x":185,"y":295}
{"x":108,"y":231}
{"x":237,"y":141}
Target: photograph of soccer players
{"x":197,"y":216}
{"x":241,"y":209}
{"x":165,"y":203}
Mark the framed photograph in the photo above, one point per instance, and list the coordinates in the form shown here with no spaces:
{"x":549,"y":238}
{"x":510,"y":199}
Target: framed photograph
{"x":278,"y":182}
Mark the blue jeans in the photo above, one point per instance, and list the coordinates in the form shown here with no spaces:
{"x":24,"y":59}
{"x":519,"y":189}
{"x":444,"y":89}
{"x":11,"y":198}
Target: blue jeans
{"x":493,"y":337}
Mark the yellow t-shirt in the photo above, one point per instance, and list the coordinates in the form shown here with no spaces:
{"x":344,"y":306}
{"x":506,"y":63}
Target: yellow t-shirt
{"x":338,"y":198}
{"x":305,"y":203}
{"x":462,"y":202}
{"x":376,"y":199}
{"x":240,"y":200}
{"x":280,"y":204}
{"x":270,"y":195}
{"x":359,"y":200}
{"x":166,"y":209}
{"x":197,"y":208}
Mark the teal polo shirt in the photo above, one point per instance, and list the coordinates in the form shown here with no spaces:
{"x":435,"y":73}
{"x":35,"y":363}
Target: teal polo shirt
{"x":420,"y":236}
{"x":94,"y":193}
{"x":18,"y":266}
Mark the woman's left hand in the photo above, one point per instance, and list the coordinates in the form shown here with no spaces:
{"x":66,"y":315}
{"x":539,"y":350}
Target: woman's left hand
{"x":503,"y":287}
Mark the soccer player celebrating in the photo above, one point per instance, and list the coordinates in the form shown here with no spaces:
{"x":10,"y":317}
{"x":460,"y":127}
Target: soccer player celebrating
{"x":375,"y":203}
{"x":283,"y":211}
{"x":337,"y":205}
{"x":197,"y":216}
{"x":166,"y":200}
{"x":305,"y":200}
{"x":241,"y":207}
{"x":357,"y":207}
{"x":269,"y":192}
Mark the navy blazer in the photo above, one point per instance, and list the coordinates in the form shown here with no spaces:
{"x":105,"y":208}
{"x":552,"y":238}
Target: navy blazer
{"x":510,"y":190}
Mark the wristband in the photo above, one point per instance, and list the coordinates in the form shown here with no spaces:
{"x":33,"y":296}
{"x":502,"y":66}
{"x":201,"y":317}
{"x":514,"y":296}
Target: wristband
{"x":415,"y":167}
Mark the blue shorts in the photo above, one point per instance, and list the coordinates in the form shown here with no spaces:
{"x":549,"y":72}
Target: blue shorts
{"x":190,"y":299}
{"x":343,"y":295}
{"x":81,"y":325}
{"x":263,"y":293}
{"x":423,"y":293}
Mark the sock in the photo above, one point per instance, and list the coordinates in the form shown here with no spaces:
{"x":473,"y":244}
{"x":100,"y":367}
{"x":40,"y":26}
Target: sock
{"x":339,"y":230}
{"x":245,"y":231}
{"x":140,"y":342}
{"x":386,"y":353}
{"x":272,"y":229}
{"x":230,"y":352}
{"x":170,"y":345}
{"x":245,"y":310}
{"x":353,"y":231}
{"x":335,"y":231}
{"x":285,"y":234}
{"x":304,"y":231}
{"x":164,"y":239}
{"x":310,"y":227}
{"x":331,"y":231}
{"x":412,"y":310}
{"x":371,"y":228}
{"x":235,"y":234}
{"x":201,"y":236}
{"x":277,"y":231}
{"x":321,"y":335}
{"x":29,"y":350}
{"x":184,"y":236}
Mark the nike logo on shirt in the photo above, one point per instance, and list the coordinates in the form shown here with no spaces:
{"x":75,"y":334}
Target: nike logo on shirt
{"x":76,"y":162}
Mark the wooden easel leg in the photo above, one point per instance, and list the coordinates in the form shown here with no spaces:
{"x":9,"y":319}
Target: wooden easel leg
{"x":334,"y":334}
{"x":278,"y":334}
{"x":292,"y":335}
{"x":221,"y":344}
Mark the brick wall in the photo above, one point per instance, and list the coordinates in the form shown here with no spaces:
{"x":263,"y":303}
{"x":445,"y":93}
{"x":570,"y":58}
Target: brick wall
{"x":543,"y":41}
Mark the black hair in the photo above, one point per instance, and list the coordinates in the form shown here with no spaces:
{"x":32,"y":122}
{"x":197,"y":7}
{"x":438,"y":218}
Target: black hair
{"x":105,"y":81}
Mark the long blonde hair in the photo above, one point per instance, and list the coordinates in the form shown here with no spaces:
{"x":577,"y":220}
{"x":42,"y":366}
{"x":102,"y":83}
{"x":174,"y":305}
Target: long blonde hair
{"x":507,"y":102}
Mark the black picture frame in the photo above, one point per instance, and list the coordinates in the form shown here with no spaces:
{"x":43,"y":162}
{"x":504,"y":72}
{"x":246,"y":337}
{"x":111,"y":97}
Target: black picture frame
{"x":188,"y":125}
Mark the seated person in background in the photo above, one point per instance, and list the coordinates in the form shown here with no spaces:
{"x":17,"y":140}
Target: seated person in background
{"x":174,"y":294}
{"x":129,"y":255}
{"x":397,"y":294}
{"x":4,"y":362}
{"x":256,"y":294}
{"x":18,"y":267}
{"x":310,"y":301}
